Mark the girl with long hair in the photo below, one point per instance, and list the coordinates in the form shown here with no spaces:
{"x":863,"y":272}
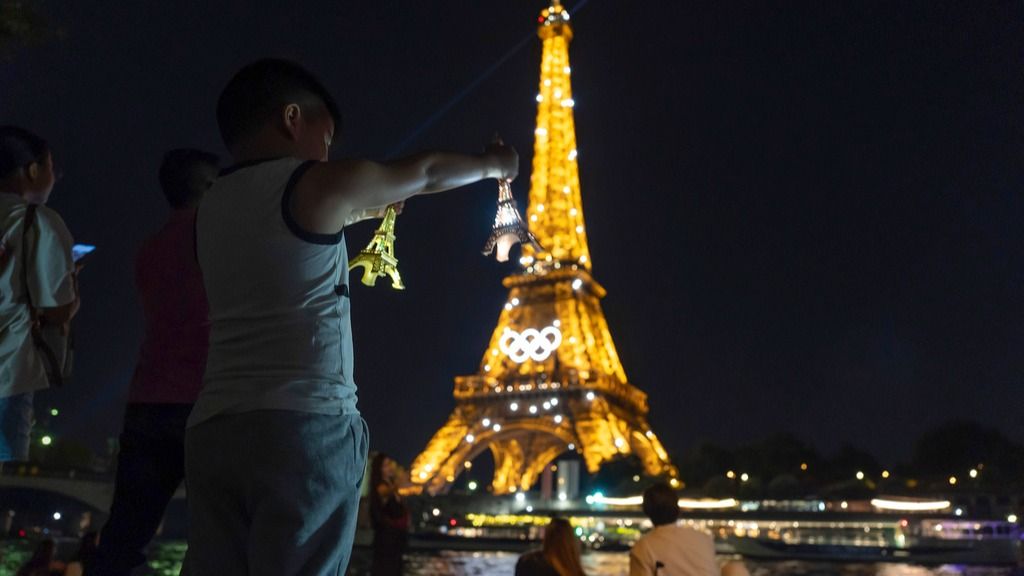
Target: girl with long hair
{"x":560,"y":555}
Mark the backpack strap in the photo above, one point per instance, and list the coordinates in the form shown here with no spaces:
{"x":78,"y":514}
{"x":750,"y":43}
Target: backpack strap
{"x":30,"y":218}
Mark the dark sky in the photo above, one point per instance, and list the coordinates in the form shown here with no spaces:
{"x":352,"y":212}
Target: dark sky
{"x":809,"y":216}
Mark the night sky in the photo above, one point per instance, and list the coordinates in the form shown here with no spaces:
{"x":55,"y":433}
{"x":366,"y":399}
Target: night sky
{"x":809,"y":216}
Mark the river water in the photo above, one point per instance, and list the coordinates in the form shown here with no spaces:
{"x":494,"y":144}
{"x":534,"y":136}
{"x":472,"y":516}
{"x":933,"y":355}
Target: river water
{"x":166,"y":561}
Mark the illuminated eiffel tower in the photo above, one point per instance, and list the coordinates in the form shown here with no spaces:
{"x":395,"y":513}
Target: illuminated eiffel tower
{"x":550,"y":380}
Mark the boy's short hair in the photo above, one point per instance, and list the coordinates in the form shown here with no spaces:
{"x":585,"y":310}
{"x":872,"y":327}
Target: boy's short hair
{"x":258,"y":91}
{"x":19,"y":148}
{"x":661,"y":504}
{"x":180,"y":178}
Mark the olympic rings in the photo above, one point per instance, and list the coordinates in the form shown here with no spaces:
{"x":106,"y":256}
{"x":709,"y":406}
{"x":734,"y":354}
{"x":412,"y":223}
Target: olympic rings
{"x":530,"y":343}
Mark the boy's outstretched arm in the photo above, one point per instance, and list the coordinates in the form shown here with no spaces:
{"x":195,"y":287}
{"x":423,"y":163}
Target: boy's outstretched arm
{"x":330,"y":193}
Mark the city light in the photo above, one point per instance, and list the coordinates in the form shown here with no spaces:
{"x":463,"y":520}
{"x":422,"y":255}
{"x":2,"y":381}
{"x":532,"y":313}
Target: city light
{"x":46,"y":440}
{"x":952,"y":480}
{"x":472,"y":485}
{"x":910,"y":505}
{"x":688,"y":503}
{"x":973,"y":473}
{"x":744,"y":477}
{"x":520,"y":497}
{"x":803,"y":466}
{"x":860,"y":475}
{"x":708,"y":504}
{"x":436,"y":512}
{"x":54,"y":412}
{"x":1012,"y":518}
{"x":885,"y":473}
{"x":730,"y":474}
{"x":590,"y":396}
{"x":56,"y":515}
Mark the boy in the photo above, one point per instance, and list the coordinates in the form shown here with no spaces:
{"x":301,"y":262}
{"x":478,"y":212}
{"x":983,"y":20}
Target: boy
{"x":275,"y":448}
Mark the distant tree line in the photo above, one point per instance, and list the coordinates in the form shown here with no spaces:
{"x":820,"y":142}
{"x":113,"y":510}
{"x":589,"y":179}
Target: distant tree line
{"x":783,"y":466}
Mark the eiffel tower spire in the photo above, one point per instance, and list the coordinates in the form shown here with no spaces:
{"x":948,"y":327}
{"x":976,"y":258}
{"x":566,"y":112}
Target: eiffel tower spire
{"x":555,"y":214}
{"x":550,"y":380}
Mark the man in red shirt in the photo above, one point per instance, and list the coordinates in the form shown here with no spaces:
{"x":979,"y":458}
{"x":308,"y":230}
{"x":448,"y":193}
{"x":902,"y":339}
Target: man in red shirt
{"x":169,"y":373}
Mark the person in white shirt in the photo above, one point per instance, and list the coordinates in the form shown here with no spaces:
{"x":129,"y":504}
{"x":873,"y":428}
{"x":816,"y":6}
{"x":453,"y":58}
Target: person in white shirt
{"x":670,"y":549}
{"x":37,"y":279}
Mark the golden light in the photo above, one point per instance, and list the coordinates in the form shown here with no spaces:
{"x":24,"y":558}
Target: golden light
{"x":730,"y":474}
{"x":674,"y":483}
{"x":973,"y":473}
{"x":803,"y":466}
{"x":952,"y":480}
{"x":860,"y":475}
{"x":744,"y":477}
{"x":885,"y":473}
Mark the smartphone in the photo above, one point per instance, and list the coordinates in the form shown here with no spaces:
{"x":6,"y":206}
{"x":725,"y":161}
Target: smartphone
{"x":78,"y":251}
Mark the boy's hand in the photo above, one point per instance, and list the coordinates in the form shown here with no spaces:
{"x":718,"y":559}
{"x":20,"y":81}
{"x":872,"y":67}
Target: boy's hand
{"x":505,"y":157}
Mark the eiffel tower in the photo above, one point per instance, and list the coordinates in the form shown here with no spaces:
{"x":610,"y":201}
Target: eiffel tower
{"x":550,"y":380}
{"x":378,"y":258}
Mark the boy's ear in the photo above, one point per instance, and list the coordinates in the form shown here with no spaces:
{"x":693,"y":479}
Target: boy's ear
{"x":32,"y":171}
{"x":290,"y":116}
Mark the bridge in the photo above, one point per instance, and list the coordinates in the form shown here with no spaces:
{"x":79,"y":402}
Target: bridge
{"x":97,"y":493}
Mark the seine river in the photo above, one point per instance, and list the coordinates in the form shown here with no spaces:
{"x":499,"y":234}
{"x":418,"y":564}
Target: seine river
{"x":167,"y":558}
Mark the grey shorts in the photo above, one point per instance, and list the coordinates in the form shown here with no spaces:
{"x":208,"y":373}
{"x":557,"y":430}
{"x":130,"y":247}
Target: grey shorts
{"x":15,"y":426}
{"x":273,"y":492}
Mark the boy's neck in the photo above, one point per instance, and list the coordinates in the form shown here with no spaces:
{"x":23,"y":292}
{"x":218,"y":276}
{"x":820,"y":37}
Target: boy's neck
{"x":265,"y":145}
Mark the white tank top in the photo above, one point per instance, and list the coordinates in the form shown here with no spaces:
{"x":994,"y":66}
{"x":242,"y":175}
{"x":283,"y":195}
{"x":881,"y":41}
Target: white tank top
{"x":280,"y":331}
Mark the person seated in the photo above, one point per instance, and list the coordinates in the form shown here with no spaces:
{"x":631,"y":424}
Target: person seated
{"x":670,"y":549}
{"x":559,"y":556}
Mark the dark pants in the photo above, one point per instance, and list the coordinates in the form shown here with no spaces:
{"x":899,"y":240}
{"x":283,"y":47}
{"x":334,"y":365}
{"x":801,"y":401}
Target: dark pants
{"x":273,"y":493}
{"x":150,"y":467}
{"x":15,"y":427}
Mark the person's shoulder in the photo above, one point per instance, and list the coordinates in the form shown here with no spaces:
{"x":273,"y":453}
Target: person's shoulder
{"x":689,"y":536}
{"x":48,"y":218}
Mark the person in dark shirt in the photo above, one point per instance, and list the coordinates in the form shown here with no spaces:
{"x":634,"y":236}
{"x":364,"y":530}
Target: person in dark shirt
{"x":389,"y":517}
{"x":169,"y":372}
